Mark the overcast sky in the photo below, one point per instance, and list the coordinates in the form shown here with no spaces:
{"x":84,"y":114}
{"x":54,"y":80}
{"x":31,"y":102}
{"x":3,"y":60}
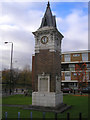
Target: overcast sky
{"x":19,"y":19}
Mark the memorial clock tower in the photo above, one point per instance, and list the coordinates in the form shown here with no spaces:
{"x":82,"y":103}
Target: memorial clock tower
{"x":46,"y":63}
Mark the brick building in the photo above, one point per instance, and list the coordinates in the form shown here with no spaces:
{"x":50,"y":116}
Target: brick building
{"x":69,"y":62}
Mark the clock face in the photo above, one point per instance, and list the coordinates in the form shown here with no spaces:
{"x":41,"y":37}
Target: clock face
{"x":44,"y":39}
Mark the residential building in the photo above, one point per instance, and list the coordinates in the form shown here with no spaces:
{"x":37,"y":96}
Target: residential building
{"x":75,"y":63}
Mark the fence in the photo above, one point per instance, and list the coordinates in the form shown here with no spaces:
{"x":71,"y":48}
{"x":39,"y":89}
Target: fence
{"x":43,"y":116}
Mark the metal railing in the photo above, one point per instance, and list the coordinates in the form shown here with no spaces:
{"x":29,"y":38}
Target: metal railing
{"x":44,"y":116}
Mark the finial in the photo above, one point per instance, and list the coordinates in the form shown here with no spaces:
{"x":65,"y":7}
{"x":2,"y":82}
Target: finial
{"x":48,"y":5}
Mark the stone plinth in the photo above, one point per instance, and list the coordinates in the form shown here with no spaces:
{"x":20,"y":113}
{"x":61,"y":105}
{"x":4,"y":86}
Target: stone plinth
{"x":47,"y":99}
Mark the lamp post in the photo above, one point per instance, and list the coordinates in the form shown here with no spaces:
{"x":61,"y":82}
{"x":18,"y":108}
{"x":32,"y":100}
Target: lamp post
{"x":11,"y":76}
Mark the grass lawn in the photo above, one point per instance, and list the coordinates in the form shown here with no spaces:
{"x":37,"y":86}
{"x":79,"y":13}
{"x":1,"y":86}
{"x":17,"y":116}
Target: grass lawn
{"x":79,"y":104}
{"x":17,"y":100}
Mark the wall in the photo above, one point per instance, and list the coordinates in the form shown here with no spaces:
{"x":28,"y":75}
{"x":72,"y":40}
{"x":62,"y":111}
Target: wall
{"x":49,"y":63}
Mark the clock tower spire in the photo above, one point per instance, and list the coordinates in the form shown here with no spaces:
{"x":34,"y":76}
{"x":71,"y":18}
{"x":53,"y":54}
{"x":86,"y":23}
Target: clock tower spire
{"x":48,"y":19}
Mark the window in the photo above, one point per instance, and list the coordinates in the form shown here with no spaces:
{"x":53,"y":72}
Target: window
{"x":76,"y":55}
{"x":67,"y":73}
{"x":65,"y":67}
{"x":67,"y":76}
{"x":74,"y":74}
{"x":88,"y":66}
{"x":67,"y":58}
{"x":72,"y":65}
{"x":84,"y":56}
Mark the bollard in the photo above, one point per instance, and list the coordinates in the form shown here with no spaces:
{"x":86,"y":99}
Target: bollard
{"x":80,"y":116}
{"x":68,"y":116}
{"x":43,"y":115}
{"x":31,"y":115}
{"x":55,"y":116}
{"x":5,"y":115}
{"x":18,"y":115}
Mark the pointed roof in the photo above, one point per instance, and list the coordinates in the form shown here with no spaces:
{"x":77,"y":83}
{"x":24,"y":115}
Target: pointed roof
{"x":48,"y":19}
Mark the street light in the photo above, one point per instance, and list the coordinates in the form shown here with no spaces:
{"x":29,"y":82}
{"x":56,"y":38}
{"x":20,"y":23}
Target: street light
{"x":10,"y":63}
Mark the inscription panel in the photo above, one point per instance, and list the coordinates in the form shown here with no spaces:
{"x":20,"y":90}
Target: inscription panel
{"x":43,"y":83}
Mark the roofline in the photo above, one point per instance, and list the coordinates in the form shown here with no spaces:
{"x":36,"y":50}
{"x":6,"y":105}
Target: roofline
{"x":80,"y":51}
{"x":75,"y":62}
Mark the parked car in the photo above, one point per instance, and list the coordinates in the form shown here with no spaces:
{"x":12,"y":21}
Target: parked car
{"x":76,"y":90}
{"x":86,"y":90}
{"x":67,"y":90}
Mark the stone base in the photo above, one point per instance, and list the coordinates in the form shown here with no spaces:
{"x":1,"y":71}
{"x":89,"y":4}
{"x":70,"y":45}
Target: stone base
{"x":47,"y":99}
{"x":59,"y":109}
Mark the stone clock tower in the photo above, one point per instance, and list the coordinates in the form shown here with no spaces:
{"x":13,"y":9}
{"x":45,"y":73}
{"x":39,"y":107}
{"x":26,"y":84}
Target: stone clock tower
{"x":46,"y":63}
